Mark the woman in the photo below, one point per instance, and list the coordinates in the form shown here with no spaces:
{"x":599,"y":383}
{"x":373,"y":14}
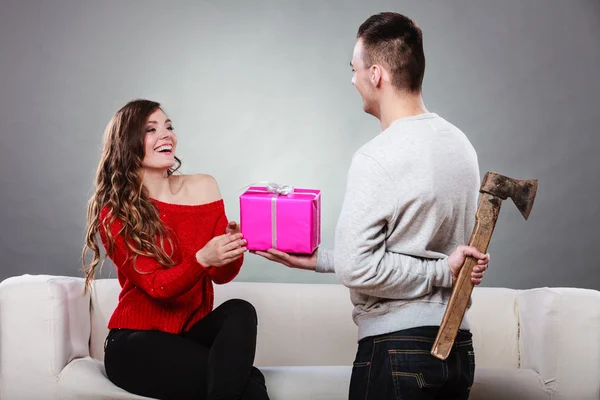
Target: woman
{"x":170,"y":239}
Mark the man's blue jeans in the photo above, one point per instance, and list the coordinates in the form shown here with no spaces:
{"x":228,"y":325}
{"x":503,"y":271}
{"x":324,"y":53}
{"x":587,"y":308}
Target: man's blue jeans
{"x":399,"y":366}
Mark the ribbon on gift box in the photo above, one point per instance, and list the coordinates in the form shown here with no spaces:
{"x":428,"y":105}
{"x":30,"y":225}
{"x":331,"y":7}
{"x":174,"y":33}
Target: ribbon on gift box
{"x":277,"y":190}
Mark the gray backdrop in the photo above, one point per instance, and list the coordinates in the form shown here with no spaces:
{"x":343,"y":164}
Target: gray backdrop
{"x":261,"y":91}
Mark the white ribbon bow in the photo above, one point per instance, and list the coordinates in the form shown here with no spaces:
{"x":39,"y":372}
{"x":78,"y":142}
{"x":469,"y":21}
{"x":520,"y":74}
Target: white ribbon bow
{"x":283,"y":190}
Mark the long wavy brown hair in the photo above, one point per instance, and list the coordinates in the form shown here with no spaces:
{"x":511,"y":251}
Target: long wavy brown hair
{"x":118,"y":185}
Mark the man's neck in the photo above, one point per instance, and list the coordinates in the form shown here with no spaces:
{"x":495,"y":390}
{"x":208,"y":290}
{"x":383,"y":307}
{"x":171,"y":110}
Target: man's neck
{"x":396,"y":106}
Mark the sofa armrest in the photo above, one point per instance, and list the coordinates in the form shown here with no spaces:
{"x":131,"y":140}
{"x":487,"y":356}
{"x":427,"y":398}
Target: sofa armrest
{"x":560,"y":339}
{"x":44,"y":324}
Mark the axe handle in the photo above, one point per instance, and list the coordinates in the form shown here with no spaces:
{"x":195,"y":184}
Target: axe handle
{"x":485,"y":221}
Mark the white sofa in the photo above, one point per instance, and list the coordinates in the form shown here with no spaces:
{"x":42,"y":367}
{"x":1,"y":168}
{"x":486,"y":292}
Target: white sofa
{"x":532,"y":344}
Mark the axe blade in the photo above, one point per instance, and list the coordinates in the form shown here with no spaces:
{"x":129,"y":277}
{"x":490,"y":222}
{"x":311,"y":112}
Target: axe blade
{"x":522,"y":192}
{"x":525,"y":196}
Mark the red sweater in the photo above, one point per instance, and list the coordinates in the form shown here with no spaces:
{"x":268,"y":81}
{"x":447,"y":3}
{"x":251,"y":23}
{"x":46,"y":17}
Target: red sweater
{"x":170,"y":299}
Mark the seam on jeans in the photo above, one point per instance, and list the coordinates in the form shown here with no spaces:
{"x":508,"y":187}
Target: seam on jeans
{"x":404,"y":338}
{"x":471,"y":354}
{"x":370,"y":365}
{"x":409,"y":351}
{"x":361,"y":364}
{"x":394,"y":382}
{"x":446,"y":373}
{"x":418,"y":376}
{"x":463,"y":344}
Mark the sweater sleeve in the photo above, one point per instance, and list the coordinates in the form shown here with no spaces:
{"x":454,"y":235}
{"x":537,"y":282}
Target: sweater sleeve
{"x":225,"y":273}
{"x":164,"y":284}
{"x":361,"y":259}
{"x":325,"y":261}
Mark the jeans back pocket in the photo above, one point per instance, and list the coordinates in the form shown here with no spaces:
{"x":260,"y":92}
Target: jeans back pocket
{"x":415,"y":371}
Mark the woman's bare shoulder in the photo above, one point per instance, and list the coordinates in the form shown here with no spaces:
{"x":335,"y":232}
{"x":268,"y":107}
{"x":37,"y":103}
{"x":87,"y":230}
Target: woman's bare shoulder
{"x":198,"y":188}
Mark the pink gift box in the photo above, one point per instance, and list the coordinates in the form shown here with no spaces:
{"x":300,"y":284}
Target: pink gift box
{"x":281,"y":217}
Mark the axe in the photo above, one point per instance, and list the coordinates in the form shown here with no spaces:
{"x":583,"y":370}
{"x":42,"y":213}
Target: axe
{"x":494,"y":189}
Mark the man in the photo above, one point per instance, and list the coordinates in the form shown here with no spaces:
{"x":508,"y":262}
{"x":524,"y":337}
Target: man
{"x":409,"y":207}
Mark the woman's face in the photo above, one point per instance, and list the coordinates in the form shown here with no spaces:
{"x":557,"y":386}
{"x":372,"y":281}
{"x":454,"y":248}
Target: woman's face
{"x":159,"y":143}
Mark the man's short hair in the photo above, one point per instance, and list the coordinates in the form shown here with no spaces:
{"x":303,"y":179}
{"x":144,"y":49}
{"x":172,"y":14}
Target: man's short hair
{"x":396,"y":42}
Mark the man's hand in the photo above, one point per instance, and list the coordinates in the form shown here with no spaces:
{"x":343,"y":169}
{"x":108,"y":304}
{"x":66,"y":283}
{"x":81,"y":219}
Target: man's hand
{"x":308,"y":262}
{"x":458,"y":257}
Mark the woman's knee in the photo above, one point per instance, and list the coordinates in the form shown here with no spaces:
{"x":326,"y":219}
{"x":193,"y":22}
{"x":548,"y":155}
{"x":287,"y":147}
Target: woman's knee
{"x":256,"y":387}
{"x":241,"y":309}
{"x":257,"y":375}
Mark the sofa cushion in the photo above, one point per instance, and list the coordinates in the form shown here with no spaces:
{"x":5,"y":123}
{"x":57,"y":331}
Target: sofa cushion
{"x":43,"y":326}
{"x":306,"y":382}
{"x":104,"y":298}
{"x":298,"y":324}
{"x":321,"y":315}
{"x":310,"y":308}
{"x":508,"y":384}
{"x":494,"y":322}
{"x":560,"y":339}
{"x":85,"y":378}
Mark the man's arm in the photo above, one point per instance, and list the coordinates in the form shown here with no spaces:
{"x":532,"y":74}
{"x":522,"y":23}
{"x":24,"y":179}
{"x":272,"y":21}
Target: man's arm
{"x":325,"y":261}
{"x":360,"y":257}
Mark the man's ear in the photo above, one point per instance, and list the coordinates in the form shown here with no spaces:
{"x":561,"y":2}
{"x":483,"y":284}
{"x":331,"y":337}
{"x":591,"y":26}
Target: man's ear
{"x":375,"y":73}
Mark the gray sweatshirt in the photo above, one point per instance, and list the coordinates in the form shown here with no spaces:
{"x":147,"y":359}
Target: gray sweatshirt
{"x":410,"y":200}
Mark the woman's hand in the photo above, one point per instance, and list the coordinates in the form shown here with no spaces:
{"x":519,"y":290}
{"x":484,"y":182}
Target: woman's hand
{"x":233,"y":228}
{"x":222,"y":250}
